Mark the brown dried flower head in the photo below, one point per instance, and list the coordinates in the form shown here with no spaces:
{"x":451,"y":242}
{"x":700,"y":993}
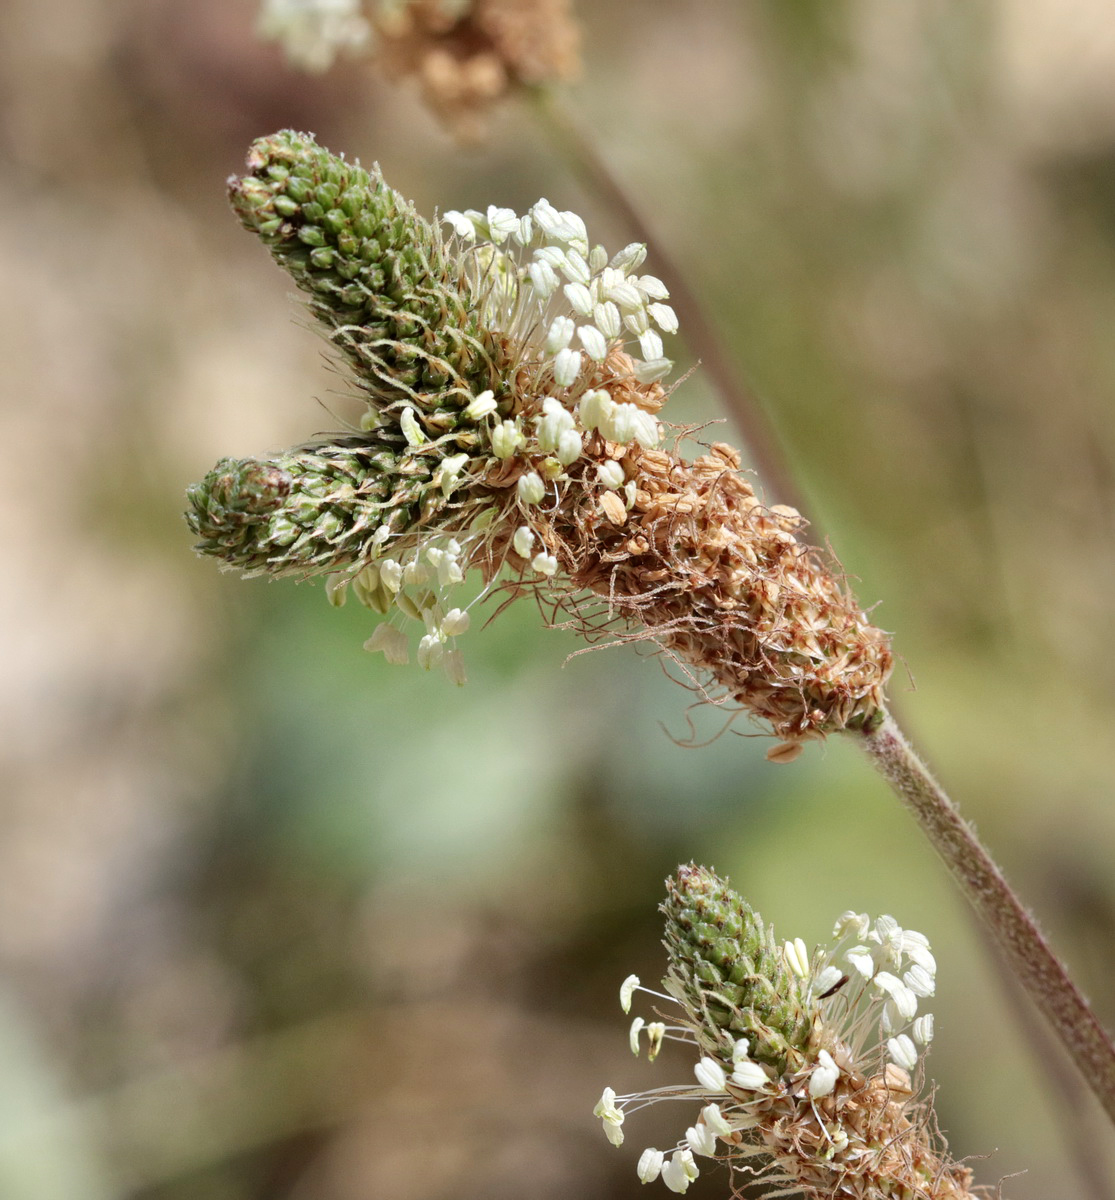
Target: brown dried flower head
{"x":467,"y":55}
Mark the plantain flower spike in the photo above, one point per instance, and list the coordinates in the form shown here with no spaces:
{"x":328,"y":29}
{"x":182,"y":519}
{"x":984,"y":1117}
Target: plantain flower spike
{"x":807,"y":1067}
{"x":465,"y":55}
{"x":513,"y":373}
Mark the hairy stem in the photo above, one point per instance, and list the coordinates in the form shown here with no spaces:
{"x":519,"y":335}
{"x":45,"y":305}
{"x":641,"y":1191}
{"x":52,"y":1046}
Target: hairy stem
{"x":760,"y":439}
{"x":1028,"y":953}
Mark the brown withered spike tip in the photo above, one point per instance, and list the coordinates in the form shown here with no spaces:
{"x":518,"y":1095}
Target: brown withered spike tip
{"x":722,"y":583}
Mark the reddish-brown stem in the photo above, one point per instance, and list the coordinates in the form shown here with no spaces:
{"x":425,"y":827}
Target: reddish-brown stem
{"x":1028,"y":954}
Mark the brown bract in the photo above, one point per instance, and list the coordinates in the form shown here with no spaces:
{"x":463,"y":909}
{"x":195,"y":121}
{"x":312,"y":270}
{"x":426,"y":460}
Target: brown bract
{"x":466,"y":61}
{"x":895,"y":1150}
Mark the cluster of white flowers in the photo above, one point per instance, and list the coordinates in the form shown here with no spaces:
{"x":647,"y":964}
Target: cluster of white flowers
{"x":731,"y":1087}
{"x":417,"y":589}
{"x":546,"y":289}
{"x":727,"y":1096}
{"x":313,"y":32}
{"x":516,"y":266}
{"x":895,"y":970}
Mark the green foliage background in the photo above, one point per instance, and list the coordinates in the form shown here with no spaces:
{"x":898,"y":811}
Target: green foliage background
{"x":277,"y":920}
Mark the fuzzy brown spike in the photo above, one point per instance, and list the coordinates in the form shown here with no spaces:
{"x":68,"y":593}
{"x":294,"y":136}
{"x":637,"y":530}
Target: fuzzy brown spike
{"x":723,"y":583}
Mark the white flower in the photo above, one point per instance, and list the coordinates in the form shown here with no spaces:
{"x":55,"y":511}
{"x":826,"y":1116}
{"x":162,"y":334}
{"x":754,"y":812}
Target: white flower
{"x":918,"y":954}
{"x":923,"y":1029}
{"x":560,"y":334}
{"x":629,"y":258}
{"x":714,"y":1119}
{"x":565,"y":227}
{"x":656,"y":1031}
{"x":462,"y":224}
{"x":523,"y":541}
{"x":555,"y":420}
{"x":824,"y":1076}
{"x":851,"y":922}
{"x":664,"y":316}
{"x":902,"y":1052}
{"x":481,"y":406}
{"x":625,"y":294}
{"x":610,"y":474}
{"x":580,"y":298}
{"x":567,"y":366}
{"x":312,"y":32}
{"x":575,"y":268}
{"x":412,"y":431}
{"x":606,"y":318}
{"x":543,"y":278}
{"x":919,"y":981}
{"x":650,"y":1165}
{"x":530,"y":487}
{"x":633,"y":1035}
{"x":638,"y":321}
{"x":627,"y":991}
{"x":415,"y":573}
{"x":507,"y":437}
{"x":606,"y":1106}
{"x":796,"y":957}
{"x":612,"y":1116}
{"x":449,"y":571}
{"x":392,"y":641}
{"x":594,"y":342}
{"x":594,"y":408}
{"x":545,"y":564}
{"x":647,"y":432}
{"x":430,"y":651}
{"x":905,"y":1001}
{"x":680,"y":1171}
{"x":652,"y":287}
{"x":710,"y":1075}
{"x":569,"y":447}
{"x":620,"y":423}
{"x":391,"y":574}
{"x":653,"y":370}
{"x":701,"y":1140}
{"x":860,"y":958}
{"x":455,"y":622}
{"x":451,"y":472}
{"x":650,"y":344}
{"x":502,"y":222}
{"x":749,"y":1075}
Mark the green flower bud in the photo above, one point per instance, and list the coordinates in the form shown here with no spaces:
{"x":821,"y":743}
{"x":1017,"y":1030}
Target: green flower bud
{"x":727,"y":969}
{"x":377,"y":273}
{"x":313,"y":509}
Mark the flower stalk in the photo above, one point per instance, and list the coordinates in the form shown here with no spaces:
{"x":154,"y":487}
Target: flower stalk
{"x":1030,"y":956}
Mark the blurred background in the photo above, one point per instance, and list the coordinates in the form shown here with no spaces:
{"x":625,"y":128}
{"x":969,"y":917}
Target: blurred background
{"x":280,"y":921}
